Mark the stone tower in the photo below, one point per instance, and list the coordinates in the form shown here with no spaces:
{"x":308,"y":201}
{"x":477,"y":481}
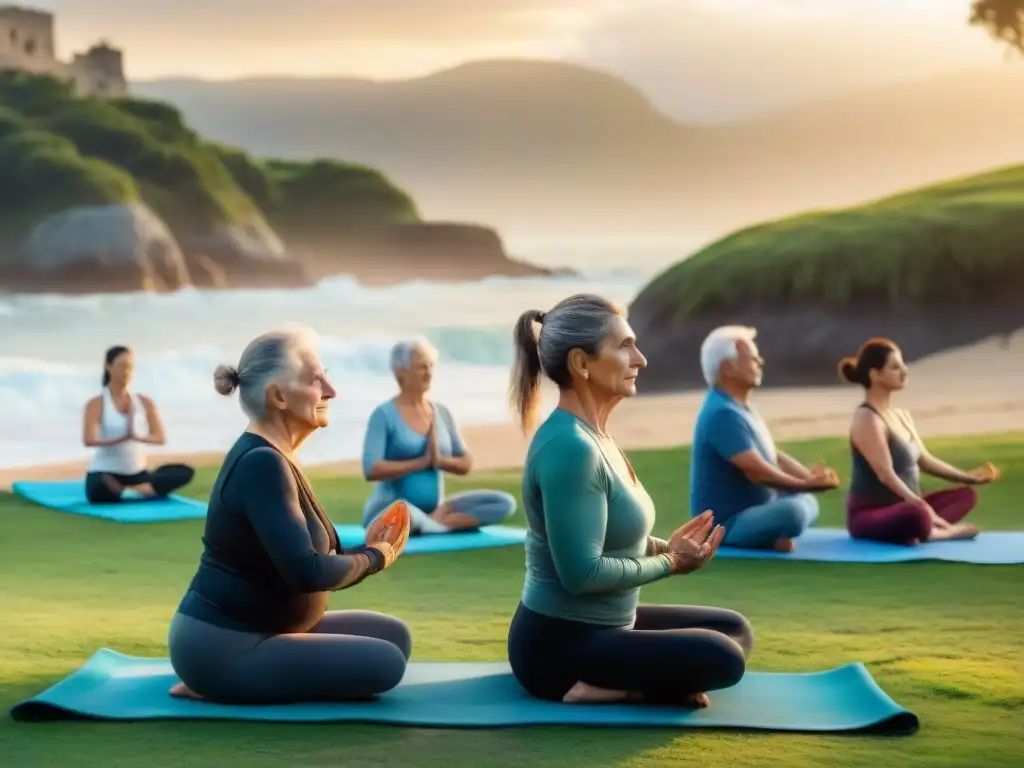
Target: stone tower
{"x":100,"y":71}
{"x":27,"y":40}
{"x":27,"y":44}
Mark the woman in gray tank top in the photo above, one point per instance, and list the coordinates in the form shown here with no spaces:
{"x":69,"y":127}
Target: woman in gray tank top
{"x":885,"y":502}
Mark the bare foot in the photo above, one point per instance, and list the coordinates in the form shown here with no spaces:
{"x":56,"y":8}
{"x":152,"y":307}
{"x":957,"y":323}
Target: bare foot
{"x":784,"y":545}
{"x":454,"y":520}
{"x":963,"y":531}
{"x":182,"y":691}
{"x":698,"y":700}
{"x":145,"y":490}
{"x":582,"y":693}
{"x":959,"y":532}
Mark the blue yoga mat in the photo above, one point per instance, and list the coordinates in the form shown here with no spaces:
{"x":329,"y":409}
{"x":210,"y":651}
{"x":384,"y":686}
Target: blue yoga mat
{"x":835,"y":545}
{"x":69,"y":496}
{"x":112,"y":686}
{"x":487,"y":537}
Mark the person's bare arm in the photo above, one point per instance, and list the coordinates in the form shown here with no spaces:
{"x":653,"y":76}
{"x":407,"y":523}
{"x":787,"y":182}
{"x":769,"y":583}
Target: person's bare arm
{"x":869,"y":436}
{"x":91,"y":426}
{"x":760,"y":472}
{"x":456,"y":465}
{"x":931,"y":464}
{"x":791,"y":466}
{"x":157,"y":435}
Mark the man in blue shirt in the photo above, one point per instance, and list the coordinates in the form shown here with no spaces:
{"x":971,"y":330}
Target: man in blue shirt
{"x":762,"y":496}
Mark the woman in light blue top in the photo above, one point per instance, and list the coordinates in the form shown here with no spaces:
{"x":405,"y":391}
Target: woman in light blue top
{"x":411,"y":442}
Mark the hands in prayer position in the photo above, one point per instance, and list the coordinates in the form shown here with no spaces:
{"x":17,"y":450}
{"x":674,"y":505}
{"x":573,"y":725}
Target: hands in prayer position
{"x":433,"y":452}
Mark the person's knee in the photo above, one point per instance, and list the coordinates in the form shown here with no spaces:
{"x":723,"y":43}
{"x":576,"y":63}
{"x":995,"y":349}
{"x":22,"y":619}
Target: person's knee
{"x":102,"y":489}
{"x":738,"y":627}
{"x":385,"y":665}
{"x":729,"y":663}
{"x":811,"y":507}
{"x":967,"y":497}
{"x":398,"y":633}
{"x":507,"y":503}
{"x":793,"y":515}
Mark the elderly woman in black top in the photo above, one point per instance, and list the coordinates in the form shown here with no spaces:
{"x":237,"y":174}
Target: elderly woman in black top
{"x":253,"y":627}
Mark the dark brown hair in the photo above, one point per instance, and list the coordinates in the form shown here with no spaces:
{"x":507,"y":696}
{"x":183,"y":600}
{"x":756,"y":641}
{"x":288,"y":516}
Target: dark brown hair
{"x":578,"y":322}
{"x":108,"y":359}
{"x":872,"y":356}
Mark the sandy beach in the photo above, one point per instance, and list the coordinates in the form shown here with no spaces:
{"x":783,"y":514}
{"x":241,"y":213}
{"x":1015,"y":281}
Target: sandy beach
{"x":968,"y":391}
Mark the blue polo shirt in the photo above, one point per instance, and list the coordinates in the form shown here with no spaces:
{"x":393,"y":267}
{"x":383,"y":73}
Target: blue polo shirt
{"x":724,"y":429}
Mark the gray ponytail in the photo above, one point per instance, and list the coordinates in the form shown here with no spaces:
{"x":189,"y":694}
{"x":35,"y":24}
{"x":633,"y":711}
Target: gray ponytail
{"x":578,"y":322}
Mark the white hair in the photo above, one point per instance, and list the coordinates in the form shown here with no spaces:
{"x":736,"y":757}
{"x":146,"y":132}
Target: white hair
{"x":719,"y":346}
{"x":275,"y":356}
{"x":402,"y":352}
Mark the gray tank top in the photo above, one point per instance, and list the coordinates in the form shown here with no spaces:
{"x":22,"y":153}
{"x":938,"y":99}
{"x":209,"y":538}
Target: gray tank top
{"x":865,"y":486}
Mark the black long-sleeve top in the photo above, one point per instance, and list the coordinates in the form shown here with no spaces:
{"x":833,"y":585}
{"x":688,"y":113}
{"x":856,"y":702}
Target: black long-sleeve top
{"x":271,"y":555}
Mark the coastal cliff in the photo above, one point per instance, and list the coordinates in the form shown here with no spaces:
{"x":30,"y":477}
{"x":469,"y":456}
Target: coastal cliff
{"x":934,"y":268}
{"x":121,"y":195}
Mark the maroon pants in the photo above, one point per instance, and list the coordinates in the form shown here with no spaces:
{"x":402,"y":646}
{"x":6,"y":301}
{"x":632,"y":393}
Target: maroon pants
{"x":901,"y":523}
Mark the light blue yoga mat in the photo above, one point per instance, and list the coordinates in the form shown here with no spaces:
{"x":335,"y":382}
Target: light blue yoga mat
{"x":835,"y":545}
{"x":485,"y":538}
{"x":112,"y":686}
{"x":69,"y":496}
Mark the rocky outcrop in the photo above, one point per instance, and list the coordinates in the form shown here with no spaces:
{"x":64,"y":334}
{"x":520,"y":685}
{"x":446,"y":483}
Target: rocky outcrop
{"x":249,"y":255}
{"x":418,"y":251}
{"x":803,"y":343}
{"x":100,"y":248}
{"x":113,"y":248}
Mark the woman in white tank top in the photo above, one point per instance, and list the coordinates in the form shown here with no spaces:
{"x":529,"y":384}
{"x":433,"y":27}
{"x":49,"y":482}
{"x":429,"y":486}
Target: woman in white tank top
{"x":119,"y":424}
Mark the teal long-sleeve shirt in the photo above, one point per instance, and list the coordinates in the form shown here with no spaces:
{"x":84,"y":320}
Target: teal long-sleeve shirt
{"x":589,"y":548}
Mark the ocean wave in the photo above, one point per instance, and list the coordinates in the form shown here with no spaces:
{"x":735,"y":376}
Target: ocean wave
{"x":51,"y":350}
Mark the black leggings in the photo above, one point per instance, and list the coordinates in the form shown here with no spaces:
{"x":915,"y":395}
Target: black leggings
{"x":347,"y":655}
{"x":107,"y":487}
{"x":670,"y":653}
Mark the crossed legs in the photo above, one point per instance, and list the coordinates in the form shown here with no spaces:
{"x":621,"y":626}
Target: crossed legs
{"x":348,"y":655}
{"x":464,"y":511}
{"x":905,"y":523}
{"x":671,"y":655}
{"x":774,"y":525}
{"x":108,"y":487}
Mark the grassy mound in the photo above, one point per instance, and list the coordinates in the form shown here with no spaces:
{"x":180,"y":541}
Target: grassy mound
{"x":58,"y":150}
{"x":318,"y":199}
{"x":943,"y":639}
{"x":949,"y":242}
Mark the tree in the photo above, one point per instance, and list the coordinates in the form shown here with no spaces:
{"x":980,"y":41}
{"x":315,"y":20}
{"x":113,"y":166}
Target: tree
{"x":1003,"y":19}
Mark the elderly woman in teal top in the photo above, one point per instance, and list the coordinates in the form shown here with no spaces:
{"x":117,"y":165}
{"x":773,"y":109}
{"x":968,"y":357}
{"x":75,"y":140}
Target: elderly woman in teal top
{"x":580,"y":633}
{"x":411,"y":442}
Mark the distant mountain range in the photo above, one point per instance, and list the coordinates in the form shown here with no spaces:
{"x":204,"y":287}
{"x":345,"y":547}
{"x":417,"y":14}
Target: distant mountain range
{"x":550,"y":147}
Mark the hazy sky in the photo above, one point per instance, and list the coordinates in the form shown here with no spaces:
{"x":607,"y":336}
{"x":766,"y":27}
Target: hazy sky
{"x":705,"y":58}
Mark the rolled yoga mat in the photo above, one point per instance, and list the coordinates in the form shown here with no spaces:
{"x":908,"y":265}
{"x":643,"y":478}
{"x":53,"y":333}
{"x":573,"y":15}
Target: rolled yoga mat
{"x":484,"y":538}
{"x":112,"y":686}
{"x":835,"y":545}
{"x":69,"y":496}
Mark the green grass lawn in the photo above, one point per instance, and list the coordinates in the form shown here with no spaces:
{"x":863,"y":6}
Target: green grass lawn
{"x":943,"y":639}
